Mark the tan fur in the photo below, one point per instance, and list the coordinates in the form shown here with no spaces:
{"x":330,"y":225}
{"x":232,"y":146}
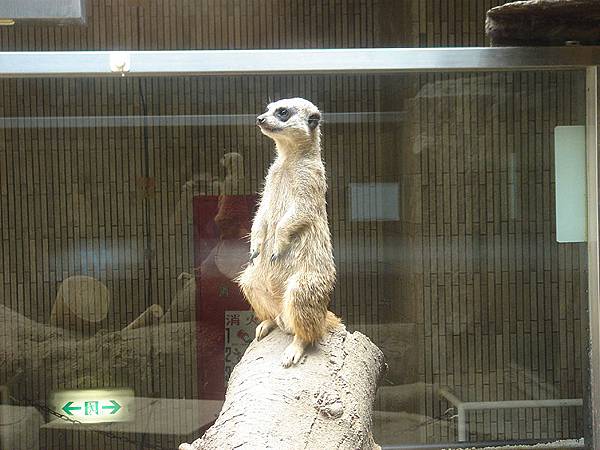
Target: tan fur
{"x":289,"y":282}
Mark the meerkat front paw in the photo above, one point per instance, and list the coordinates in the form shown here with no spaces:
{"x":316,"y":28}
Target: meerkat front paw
{"x":293,"y":353}
{"x":264,"y":328}
{"x":253,"y":254}
{"x":255,"y":250}
{"x":280,"y":246}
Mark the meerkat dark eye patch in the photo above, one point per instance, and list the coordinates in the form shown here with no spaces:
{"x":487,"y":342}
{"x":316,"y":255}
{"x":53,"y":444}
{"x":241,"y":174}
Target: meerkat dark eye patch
{"x":313,"y":121}
{"x":283,"y":114}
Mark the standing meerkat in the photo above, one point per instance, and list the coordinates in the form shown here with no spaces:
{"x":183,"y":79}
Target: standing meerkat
{"x":291,"y":273}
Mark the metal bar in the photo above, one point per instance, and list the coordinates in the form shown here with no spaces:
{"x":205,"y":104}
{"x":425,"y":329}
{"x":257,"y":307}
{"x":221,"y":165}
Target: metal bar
{"x":510,"y":404}
{"x":462,"y":423}
{"x":181,"y":120}
{"x":453,"y":399}
{"x":464,"y":407}
{"x":593,"y":251}
{"x":224,"y":62}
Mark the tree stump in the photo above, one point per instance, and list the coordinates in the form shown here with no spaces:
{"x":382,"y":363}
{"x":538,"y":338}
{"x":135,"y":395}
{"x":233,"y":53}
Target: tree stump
{"x":544,"y":22}
{"x":81,"y":302}
{"x":325,"y":402}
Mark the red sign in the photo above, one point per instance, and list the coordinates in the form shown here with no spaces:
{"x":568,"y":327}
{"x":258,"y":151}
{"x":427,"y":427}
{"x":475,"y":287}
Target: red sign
{"x":221,"y":248}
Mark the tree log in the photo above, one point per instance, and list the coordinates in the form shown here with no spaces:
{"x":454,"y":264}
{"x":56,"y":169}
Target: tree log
{"x":544,"y":22}
{"x":37,"y":359}
{"x":325,"y":402}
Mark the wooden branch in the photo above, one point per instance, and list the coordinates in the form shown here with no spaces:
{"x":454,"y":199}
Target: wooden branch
{"x":149,"y":317}
{"x":324,"y":402}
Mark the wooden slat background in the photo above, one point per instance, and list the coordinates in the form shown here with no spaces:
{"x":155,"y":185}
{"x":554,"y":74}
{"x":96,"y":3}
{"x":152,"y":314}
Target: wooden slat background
{"x":500,"y":304}
{"x":493,"y":304}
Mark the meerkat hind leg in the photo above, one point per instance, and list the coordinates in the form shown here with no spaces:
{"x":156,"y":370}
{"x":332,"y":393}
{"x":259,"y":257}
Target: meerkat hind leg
{"x":304,"y":315}
{"x":282,"y":325}
{"x":265,"y":306}
{"x":293,"y":352}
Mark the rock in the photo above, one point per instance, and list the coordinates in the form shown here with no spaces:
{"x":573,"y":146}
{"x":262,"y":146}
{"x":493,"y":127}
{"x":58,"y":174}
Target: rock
{"x":544,"y":22}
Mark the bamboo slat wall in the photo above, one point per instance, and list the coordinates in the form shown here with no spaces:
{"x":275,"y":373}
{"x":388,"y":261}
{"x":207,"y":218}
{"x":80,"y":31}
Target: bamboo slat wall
{"x":207,"y":24}
{"x":91,"y":183}
{"x":500,"y":303}
{"x":484,"y":301}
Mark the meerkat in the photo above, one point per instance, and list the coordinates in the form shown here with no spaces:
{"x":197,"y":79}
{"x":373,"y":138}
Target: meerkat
{"x":291,"y":273}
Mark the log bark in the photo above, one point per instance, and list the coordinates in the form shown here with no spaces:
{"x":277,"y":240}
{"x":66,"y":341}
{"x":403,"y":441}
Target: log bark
{"x":37,"y":359}
{"x":325,"y":402}
{"x":544,"y":22}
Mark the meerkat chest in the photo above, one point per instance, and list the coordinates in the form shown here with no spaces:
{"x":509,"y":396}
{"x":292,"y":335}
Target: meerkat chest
{"x":280,"y":191}
{"x":293,"y":185}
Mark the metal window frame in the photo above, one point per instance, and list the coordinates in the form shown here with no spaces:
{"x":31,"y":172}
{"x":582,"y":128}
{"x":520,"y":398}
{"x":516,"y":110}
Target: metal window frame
{"x":310,"y":61}
{"x":360,"y":61}
{"x":36,"y":11}
{"x":593,"y":189}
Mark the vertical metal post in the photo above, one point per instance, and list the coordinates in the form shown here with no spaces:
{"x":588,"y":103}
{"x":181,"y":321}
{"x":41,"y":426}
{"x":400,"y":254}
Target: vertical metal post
{"x":462,"y":423}
{"x":593,"y":252}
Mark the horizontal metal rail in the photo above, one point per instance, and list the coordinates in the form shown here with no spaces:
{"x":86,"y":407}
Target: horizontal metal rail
{"x":181,"y":120}
{"x":462,"y":408}
{"x":513,"y":404}
{"x":305,"y":61}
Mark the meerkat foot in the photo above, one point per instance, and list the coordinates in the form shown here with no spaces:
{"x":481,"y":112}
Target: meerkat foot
{"x":264,"y":328}
{"x":293,"y":353}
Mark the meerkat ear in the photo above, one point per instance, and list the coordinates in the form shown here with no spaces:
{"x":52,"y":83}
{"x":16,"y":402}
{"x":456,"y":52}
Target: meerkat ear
{"x":313,"y":120}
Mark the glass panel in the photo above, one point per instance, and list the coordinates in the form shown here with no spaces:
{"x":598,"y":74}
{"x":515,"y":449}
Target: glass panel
{"x":126,"y":202}
{"x":476,"y":273}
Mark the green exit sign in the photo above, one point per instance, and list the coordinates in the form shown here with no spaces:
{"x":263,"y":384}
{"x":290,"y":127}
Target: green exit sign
{"x":92,"y":408}
{"x":94,"y":405}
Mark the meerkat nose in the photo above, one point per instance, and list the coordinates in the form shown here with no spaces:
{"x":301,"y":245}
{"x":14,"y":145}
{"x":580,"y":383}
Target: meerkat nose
{"x":260,"y":120}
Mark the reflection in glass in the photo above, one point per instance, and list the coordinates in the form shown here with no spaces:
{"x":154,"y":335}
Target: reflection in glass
{"x":120,"y":242}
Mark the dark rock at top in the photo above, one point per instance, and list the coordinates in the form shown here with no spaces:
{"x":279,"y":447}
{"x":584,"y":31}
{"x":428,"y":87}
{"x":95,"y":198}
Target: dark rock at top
{"x":544,"y":22}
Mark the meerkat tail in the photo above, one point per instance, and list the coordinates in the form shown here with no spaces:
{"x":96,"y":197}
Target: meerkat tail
{"x":332,"y":321}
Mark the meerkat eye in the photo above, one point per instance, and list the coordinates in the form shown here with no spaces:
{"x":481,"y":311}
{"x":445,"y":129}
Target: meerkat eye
{"x":283,"y":114}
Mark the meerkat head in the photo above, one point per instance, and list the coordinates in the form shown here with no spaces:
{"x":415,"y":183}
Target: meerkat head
{"x":233,"y":162}
{"x":291,"y":121}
